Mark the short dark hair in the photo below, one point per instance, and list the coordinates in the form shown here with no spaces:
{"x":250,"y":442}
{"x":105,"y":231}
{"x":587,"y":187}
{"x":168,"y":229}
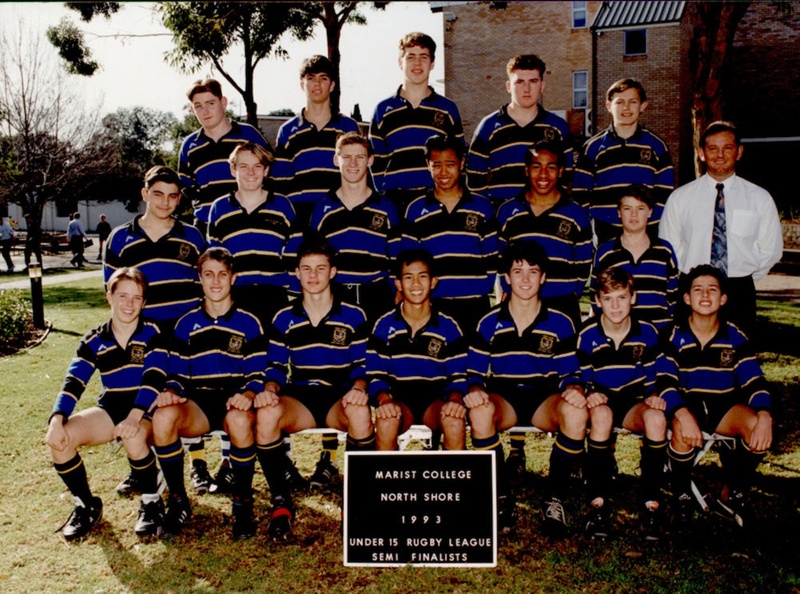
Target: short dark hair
{"x":551,"y":146}
{"x":716,"y":128}
{"x":640,"y":192}
{"x":418,"y":39}
{"x":317,"y":64}
{"x":218,"y":254}
{"x":704,"y":270}
{"x":407,"y":257}
{"x":526,"y":62}
{"x":612,"y":279}
{"x":314,"y":243}
{"x":205,"y":85}
{"x":526,"y":250}
{"x":623,"y":85}
{"x":162,"y":173}
{"x":443,"y":142}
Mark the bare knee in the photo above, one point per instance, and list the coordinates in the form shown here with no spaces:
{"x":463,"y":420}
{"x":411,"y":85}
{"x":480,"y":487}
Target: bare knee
{"x":572,"y":421}
{"x":655,"y":424}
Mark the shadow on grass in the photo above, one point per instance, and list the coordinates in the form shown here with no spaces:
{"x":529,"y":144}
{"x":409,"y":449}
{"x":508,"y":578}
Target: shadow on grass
{"x":70,"y":296}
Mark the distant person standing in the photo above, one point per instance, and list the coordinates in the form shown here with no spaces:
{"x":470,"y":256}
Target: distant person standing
{"x":203,"y":158}
{"x":103,"y":231}
{"x":6,"y":239}
{"x":33,"y":239}
{"x":76,"y":236}
{"x":726,"y":221}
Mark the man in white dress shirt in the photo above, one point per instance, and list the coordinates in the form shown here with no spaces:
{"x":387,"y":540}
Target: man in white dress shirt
{"x":724,"y":220}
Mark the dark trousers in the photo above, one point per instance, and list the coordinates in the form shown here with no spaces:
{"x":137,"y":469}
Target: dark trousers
{"x":5,"y":246}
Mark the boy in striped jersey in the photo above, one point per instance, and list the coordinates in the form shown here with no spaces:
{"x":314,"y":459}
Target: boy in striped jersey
{"x":459,"y":229}
{"x":315,"y":375}
{"x":649,"y":259}
{"x":362,"y":225}
{"x":304,"y":169}
{"x":522,"y":370}
{"x":202,"y":158}
{"x":626,"y":153}
{"x":617,"y":353}
{"x":403,"y":122}
{"x":131,"y":359}
{"x":495,"y":164}
{"x":216,"y":369}
{"x":416,"y":359}
{"x":712,"y":382}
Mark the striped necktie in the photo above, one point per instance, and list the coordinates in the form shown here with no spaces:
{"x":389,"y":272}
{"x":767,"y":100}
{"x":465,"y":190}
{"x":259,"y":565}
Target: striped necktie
{"x":719,"y":237}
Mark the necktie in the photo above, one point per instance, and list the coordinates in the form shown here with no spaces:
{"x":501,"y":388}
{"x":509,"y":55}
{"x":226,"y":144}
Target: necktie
{"x":719,"y":238}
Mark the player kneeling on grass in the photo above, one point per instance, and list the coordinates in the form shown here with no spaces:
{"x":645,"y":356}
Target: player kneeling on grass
{"x":127,"y":352}
{"x":216,"y":369}
{"x":617,"y":353}
{"x":416,"y":360}
{"x":522,"y":370}
{"x":315,"y":375}
{"x":712,"y":382}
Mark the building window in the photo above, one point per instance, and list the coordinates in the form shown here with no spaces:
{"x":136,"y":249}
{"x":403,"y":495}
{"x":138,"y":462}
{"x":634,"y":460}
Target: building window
{"x":580,"y":89}
{"x":635,"y":42}
{"x":578,"y":15}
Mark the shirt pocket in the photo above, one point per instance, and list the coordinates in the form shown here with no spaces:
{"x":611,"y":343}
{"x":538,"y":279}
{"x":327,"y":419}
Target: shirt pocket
{"x":744,"y":223}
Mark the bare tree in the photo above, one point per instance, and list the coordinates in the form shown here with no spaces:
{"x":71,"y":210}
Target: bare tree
{"x":47,"y":134}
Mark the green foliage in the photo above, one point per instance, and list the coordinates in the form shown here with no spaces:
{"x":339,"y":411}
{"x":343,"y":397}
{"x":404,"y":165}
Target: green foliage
{"x":15,"y":317}
{"x":89,"y":10}
{"x":282,"y":112}
{"x":69,"y":40}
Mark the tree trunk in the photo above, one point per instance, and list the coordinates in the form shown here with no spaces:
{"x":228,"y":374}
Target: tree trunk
{"x":714,"y":26}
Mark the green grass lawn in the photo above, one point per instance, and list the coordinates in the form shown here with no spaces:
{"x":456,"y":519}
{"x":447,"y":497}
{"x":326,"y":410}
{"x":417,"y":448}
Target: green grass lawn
{"x":34,"y":503}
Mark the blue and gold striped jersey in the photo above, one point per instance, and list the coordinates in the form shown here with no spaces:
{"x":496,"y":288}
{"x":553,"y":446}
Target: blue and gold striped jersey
{"x":463,"y":242}
{"x":541,"y":358}
{"x":366,"y":238}
{"x":431,"y":362}
{"x":398,"y":132}
{"x":258,"y":240}
{"x":303,"y":170}
{"x":329,"y":354}
{"x":656,"y":276}
{"x":608,"y":163}
{"x":168,"y":264}
{"x":565,"y":233}
{"x":626,"y":370}
{"x":223,"y":355}
{"x":724,"y":369}
{"x":496,"y":159}
{"x":203,"y":165}
{"x":135,"y":372}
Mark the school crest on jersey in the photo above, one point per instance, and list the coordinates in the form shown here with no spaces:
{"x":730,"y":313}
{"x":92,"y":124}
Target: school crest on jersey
{"x":184,"y":251}
{"x":235,"y":344}
{"x":637,"y":352}
{"x":645,"y":155}
{"x":438,"y":118}
{"x":549,"y":134}
{"x":137,"y":354}
{"x":378,"y":221}
{"x":435,"y":348}
{"x":546,"y":344}
{"x":339,"y":336}
{"x":564,"y":229}
{"x":471,"y":224}
{"x":726,"y":358}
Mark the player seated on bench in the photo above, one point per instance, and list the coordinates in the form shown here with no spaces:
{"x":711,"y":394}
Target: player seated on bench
{"x":128,"y":353}
{"x":712,"y":382}
{"x":416,"y":360}
{"x":522,"y":370}
{"x":617,"y":353}
{"x":217,"y":364}
{"x":319,"y":342}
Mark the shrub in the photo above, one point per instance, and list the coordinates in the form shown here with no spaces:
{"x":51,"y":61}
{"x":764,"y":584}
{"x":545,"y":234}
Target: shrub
{"x":15,"y":317}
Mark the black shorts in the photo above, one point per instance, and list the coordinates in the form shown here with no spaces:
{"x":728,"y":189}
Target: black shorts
{"x":214,"y":407}
{"x":118,"y":407}
{"x":317,"y":399}
{"x":709,"y":413}
{"x":417,"y":401}
{"x":525,"y":402}
{"x":620,"y":407}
